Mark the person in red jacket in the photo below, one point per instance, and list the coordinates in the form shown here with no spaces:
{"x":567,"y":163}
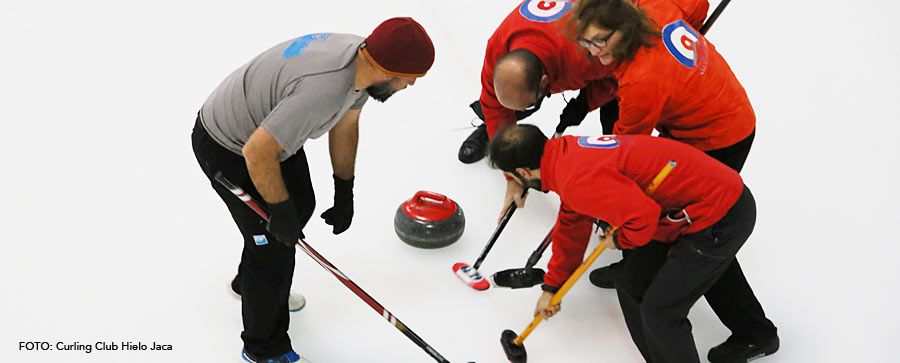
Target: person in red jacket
{"x":553,"y":64}
{"x":671,"y":78}
{"x":697,"y":219}
{"x":535,"y":27}
{"x":529,"y":57}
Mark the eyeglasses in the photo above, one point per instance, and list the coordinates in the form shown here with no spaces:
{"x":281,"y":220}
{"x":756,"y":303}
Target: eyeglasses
{"x":596,"y":43}
{"x":539,"y":94}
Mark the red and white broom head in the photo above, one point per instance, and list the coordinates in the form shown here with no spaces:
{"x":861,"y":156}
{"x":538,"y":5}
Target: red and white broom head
{"x":470,"y":276}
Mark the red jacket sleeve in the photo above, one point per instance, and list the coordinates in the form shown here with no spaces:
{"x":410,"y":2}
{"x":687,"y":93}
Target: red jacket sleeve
{"x":570,"y":239}
{"x":603,"y":194}
{"x":640,"y":107}
{"x":600,"y":91}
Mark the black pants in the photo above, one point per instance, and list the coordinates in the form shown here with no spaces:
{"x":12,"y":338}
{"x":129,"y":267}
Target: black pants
{"x":735,"y":155}
{"x":733,"y":300}
{"x":691,"y":267}
{"x":265,"y":272}
{"x":730,"y":296}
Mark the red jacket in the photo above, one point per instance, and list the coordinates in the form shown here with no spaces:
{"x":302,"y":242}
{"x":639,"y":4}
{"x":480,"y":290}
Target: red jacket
{"x":682,"y":87}
{"x":537,"y":25}
{"x":604,"y":177}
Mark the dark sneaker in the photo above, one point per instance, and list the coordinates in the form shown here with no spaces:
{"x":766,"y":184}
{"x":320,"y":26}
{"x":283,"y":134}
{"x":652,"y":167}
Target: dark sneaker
{"x":289,"y":357}
{"x":604,"y":277}
{"x":734,"y":352}
{"x":475,"y":146}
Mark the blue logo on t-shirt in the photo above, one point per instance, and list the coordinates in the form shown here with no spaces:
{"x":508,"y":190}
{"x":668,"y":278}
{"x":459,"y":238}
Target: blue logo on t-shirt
{"x":544,"y":11}
{"x":260,"y":240}
{"x":296,"y":48}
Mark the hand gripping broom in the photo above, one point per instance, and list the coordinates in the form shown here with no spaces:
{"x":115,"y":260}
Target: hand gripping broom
{"x":512,"y":343}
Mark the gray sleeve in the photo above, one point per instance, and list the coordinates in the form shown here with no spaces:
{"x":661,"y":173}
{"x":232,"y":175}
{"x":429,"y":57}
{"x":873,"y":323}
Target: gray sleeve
{"x":363,"y":97}
{"x":300,"y":116}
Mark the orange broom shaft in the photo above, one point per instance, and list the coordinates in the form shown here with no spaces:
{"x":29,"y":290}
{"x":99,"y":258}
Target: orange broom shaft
{"x":557,"y":297}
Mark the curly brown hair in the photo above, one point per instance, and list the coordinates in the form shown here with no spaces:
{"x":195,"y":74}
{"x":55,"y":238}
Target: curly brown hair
{"x":631,"y":22}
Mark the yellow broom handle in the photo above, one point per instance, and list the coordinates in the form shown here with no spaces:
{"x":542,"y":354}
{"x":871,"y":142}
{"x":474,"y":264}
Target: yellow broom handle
{"x":562,"y":291}
{"x":557,"y":297}
{"x":660,"y":177}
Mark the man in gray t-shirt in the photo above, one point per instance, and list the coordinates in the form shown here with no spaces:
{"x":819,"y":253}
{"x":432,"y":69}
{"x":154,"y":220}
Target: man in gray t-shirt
{"x":252,"y":130}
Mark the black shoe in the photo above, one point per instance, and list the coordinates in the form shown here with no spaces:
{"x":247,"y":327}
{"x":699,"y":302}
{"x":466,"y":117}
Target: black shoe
{"x":605,"y":277}
{"x":475,"y":146}
{"x":731,"y":351}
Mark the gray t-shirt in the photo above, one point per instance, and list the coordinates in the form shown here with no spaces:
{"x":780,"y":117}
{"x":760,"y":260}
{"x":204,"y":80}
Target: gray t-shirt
{"x":297,"y":90}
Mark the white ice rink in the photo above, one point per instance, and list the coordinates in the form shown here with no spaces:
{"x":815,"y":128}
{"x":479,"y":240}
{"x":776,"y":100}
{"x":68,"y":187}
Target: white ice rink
{"x":110,"y":232}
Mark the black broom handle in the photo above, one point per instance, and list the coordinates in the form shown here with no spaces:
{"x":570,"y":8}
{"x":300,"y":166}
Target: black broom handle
{"x":506,"y":216}
{"x":715,"y":15}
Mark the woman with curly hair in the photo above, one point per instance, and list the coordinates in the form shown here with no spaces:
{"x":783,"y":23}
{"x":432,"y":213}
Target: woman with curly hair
{"x":672,"y":79}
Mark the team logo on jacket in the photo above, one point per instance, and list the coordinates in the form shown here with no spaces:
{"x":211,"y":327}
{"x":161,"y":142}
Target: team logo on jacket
{"x":681,"y":41}
{"x":544,"y":11}
{"x":599,"y":142}
{"x":297,"y":46}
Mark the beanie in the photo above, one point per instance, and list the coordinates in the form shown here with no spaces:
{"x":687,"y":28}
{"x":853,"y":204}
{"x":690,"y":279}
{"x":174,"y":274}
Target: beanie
{"x":400,"y":47}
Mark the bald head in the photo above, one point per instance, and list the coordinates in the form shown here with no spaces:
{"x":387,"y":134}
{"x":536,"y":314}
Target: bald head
{"x":518,"y":79}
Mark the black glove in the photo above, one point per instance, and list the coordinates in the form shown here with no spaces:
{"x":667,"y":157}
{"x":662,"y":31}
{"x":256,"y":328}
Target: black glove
{"x":573,"y":113}
{"x":602,"y":225}
{"x":284,"y":223}
{"x":609,"y":114}
{"x":341,"y":213}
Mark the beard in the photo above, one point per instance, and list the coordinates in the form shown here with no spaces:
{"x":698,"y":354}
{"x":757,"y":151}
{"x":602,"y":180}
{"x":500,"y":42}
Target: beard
{"x":380,"y":91}
{"x":532,"y":184}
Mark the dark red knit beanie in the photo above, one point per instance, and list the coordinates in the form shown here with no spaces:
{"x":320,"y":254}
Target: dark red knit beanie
{"x":400,"y":47}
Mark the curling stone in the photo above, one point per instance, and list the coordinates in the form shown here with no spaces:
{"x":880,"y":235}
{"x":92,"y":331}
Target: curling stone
{"x":429,"y":220}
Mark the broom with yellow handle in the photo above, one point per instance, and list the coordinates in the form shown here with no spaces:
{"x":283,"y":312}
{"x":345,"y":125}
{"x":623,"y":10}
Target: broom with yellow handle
{"x":512,"y":343}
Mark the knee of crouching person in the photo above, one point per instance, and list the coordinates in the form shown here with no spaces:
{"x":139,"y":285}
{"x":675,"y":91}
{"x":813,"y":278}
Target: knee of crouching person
{"x":628,"y":285}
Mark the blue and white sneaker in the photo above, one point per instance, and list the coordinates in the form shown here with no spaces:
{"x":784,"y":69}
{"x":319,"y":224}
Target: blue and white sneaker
{"x":289,"y":357}
{"x":296,"y":301}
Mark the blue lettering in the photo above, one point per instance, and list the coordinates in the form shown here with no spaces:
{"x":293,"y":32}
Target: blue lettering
{"x":297,"y":46}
